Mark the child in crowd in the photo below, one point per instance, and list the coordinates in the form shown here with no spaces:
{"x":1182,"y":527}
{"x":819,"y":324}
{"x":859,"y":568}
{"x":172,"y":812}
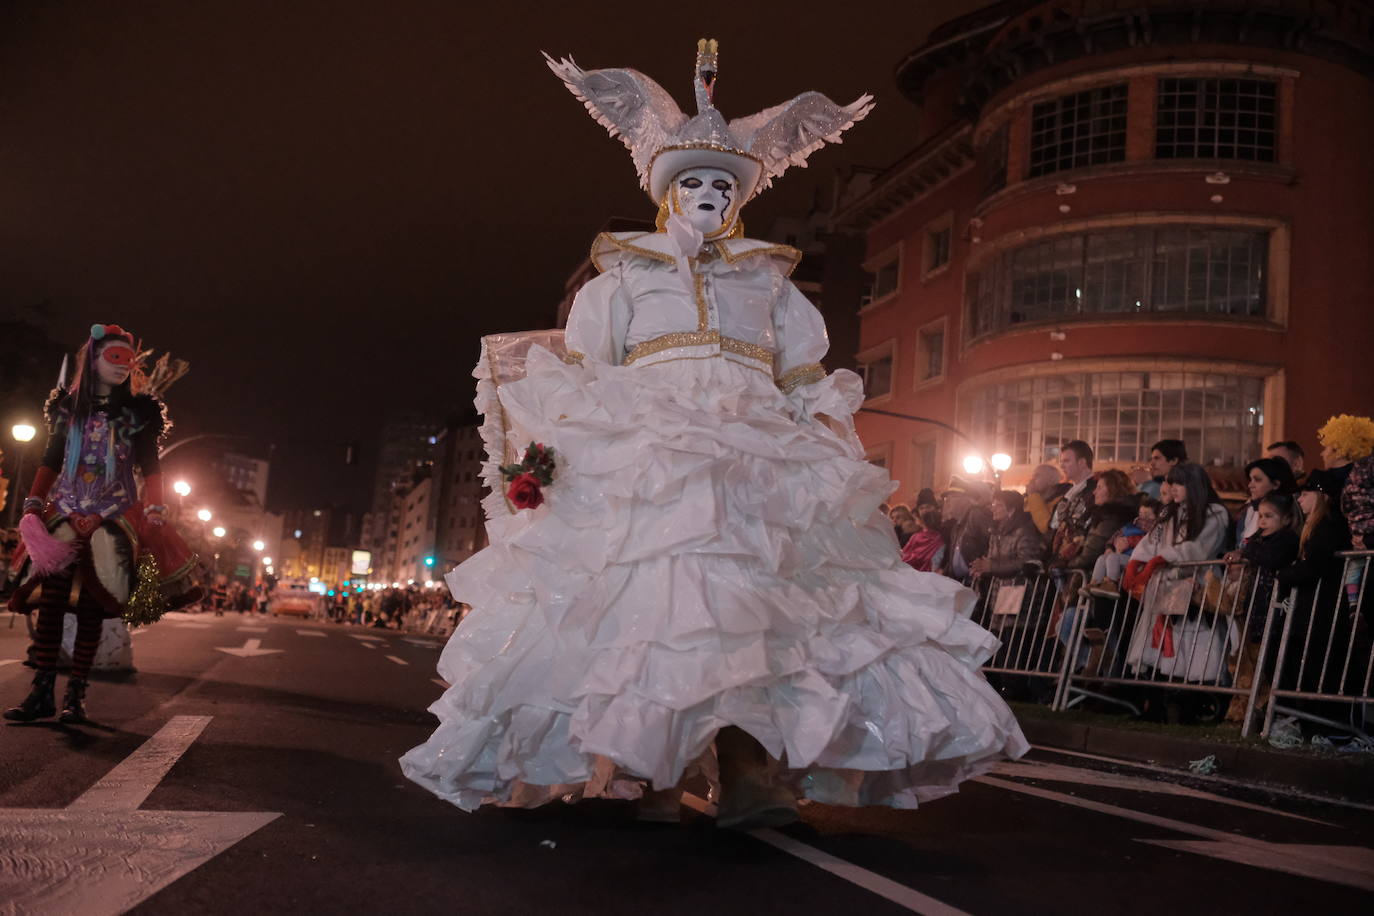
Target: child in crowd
{"x":1109,"y":568}
{"x":1251,"y":574}
{"x":924,"y":551}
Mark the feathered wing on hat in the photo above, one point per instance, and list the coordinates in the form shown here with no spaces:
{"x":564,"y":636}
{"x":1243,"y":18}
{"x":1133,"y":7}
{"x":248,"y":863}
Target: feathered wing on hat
{"x":628,"y":104}
{"x":647,"y":120}
{"x":784,"y":135}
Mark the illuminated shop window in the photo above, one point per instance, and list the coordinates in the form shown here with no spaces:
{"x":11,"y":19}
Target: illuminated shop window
{"x":1121,"y":414}
{"x":1216,"y":119}
{"x":1103,"y":273}
{"x":1077,"y":130}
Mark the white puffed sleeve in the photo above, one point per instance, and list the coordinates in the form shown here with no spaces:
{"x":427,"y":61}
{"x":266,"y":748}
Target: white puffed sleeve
{"x":802,"y":342}
{"x":599,"y":320}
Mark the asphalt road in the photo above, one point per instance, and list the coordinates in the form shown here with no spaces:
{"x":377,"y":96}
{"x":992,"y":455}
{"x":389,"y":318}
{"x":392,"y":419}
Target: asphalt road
{"x":268,"y":783}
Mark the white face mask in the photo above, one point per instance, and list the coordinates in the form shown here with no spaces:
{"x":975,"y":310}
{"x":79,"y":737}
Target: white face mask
{"x":708,"y":198}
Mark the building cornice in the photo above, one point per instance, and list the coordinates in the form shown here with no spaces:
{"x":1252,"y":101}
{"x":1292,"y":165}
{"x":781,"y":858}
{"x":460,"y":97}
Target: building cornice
{"x":1059,"y":31}
{"x":925,"y":168}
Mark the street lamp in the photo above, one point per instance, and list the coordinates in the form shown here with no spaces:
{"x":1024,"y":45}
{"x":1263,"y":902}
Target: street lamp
{"x":205,"y":515}
{"x":23,"y":433}
{"x":266,"y":561}
{"x":218,"y":531}
{"x":258,"y":545}
{"x":973,"y":464}
{"x":181,"y":488}
{"x":1001,"y":462}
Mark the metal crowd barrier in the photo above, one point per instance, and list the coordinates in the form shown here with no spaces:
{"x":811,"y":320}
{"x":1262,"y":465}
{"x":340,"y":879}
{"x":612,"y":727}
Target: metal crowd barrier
{"x":1326,"y":650}
{"x":1201,"y":627}
{"x":1020,"y":611}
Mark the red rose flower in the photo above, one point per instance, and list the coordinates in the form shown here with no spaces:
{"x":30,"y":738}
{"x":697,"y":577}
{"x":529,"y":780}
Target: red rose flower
{"x":524,"y":492}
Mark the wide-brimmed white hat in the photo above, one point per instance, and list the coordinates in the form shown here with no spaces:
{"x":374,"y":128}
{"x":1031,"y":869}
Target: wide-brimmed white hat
{"x":664,"y":142}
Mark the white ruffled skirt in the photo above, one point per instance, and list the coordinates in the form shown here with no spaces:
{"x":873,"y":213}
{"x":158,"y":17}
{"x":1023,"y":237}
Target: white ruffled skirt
{"x":703,"y":560}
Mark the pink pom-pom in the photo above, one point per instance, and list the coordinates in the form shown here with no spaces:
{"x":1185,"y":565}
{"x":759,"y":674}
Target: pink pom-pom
{"x":49,"y":555}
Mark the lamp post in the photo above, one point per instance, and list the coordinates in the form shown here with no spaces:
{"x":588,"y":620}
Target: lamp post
{"x":23,"y":433}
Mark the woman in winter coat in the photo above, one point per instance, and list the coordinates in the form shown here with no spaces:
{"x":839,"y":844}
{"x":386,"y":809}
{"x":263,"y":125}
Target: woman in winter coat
{"x":1262,"y":477}
{"x":1115,"y":503}
{"x":1193,"y":527}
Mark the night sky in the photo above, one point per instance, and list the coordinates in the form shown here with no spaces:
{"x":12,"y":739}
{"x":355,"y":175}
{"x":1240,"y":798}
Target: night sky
{"x":323,"y":205}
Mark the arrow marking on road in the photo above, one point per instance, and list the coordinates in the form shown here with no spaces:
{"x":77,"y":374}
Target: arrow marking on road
{"x":424,"y":643}
{"x":251,"y":649}
{"x":126,"y":855}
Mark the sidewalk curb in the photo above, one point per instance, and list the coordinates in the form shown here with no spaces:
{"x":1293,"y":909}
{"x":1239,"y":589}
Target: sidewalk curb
{"x":1344,"y":777}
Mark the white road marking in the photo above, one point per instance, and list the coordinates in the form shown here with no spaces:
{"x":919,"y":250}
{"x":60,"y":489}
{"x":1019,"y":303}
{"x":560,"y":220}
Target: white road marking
{"x":192,"y":626}
{"x":126,"y":855}
{"x":1053,"y":772}
{"x":126,"y":786}
{"x":441,"y":682}
{"x":251,"y":649}
{"x":1226,"y":780}
{"x":251,"y":629}
{"x":9,"y":661}
{"x":399,"y":661}
{"x":368,"y":645}
{"x":886,"y":888}
{"x":318,"y":633}
{"x":366,"y":638}
{"x":1295,"y":859}
{"x":424,"y":643}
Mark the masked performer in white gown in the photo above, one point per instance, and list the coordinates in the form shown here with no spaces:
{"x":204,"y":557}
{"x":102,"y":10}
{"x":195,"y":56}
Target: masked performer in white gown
{"x":708,"y":570}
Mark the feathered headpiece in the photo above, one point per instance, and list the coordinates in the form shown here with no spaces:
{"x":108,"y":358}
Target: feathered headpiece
{"x":663,"y":141}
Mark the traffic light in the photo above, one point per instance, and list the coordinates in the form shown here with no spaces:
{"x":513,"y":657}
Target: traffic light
{"x":429,"y":560}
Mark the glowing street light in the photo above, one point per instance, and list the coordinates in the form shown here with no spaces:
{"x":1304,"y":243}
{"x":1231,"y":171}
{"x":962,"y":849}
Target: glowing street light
{"x":973,"y":464}
{"x":181,"y":488}
{"x":266,"y":561}
{"x":218,"y":531}
{"x":23,"y":432}
{"x":258,"y":545}
{"x":205,"y":515}
{"x":1001,"y":462}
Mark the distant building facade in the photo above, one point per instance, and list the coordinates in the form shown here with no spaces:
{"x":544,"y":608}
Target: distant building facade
{"x":1127,"y":222}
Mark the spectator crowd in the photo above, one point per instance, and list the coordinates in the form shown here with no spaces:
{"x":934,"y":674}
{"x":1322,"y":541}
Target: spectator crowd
{"x":1108,"y":533}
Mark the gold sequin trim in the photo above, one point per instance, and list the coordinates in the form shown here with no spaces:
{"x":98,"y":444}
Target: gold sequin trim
{"x":699,"y":282}
{"x":793,"y":379}
{"x":573,"y":358}
{"x":700,"y":339}
{"x":676,"y":359}
{"x":782,"y":251}
{"x":753,"y":351}
{"x":608,"y":239}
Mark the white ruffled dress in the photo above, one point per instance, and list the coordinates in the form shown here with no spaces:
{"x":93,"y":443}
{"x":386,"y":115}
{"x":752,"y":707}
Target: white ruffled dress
{"x":709,"y":554}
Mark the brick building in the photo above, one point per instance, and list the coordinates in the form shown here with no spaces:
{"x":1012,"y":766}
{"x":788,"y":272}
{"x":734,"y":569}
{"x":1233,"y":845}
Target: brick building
{"x":1128,"y":221}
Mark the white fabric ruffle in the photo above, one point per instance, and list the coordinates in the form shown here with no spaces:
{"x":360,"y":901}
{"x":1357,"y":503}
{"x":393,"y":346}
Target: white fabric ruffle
{"x":703,"y":560}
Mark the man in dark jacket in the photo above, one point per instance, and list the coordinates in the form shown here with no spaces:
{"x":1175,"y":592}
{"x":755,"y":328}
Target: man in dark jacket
{"x":968,"y":526}
{"x":1016,"y":547}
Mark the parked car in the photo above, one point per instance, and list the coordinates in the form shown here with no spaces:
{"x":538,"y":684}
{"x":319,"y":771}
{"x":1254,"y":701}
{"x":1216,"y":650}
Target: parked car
{"x":293,"y":596}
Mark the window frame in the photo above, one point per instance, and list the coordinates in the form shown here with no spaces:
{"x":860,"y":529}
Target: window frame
{"x":1092,"y":98}
{"x":942,"y":323}
{"x":886,"y":349}
{"x":1275,"y":285}
{"x":1203,"y":81}
{"x":942,"y":223}
{"x":874,"y":265}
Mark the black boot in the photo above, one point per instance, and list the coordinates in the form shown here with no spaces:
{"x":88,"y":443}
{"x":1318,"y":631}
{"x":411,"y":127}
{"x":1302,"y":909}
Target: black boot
{"x":39,"y":703}
{"x":73,"y":704}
